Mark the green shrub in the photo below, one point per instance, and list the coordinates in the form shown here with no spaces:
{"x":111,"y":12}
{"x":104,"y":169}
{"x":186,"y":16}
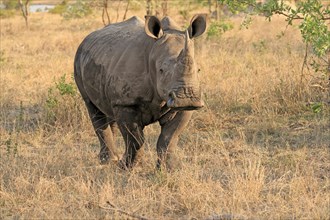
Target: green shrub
{"x":11,"y":145}
{"x":316,"y":107}
{"x":63,"y":104}
{"x":79,"y":9}
{"x":260,"y":46}
{"x":59,"y":9}
{"x":184,"y":13}
{"x":217,"y":28}
{"x":2,"y":57}
{"x":65,"y":88}
{"x":4,"y":13}
{"x":10,"y":4}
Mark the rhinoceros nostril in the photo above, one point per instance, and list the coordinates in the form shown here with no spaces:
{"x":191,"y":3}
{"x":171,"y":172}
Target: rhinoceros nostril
{"x":172,"y":95}
{"x":171,"y":99}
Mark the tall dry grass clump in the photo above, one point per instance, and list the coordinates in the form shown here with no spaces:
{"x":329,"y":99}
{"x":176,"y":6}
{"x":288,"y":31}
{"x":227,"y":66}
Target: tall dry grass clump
{"x":259,"y":149}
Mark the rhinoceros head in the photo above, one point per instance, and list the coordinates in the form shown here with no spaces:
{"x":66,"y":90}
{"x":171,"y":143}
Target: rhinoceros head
{"x":172,"y":63}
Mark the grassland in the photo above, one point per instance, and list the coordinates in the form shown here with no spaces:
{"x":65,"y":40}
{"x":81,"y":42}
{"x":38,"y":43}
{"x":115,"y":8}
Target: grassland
{"x":258,"y":150}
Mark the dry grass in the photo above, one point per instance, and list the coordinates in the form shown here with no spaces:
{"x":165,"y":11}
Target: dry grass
{"x":256,"y":151}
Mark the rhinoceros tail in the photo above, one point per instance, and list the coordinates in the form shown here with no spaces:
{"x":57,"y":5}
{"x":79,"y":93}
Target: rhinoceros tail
{"x":77,"y":73}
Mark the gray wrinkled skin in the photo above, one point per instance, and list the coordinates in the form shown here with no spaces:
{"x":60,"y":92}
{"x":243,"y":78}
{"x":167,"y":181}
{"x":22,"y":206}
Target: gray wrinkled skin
{"x":135,"y":73}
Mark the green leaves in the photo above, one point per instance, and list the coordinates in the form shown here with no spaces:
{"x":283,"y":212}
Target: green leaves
{"x":315,"y":32}
{"x":316,"y":107}
{"x":65,"y":88}
{"x":217,"y":28}
{"x":79,"y":9}
{"x":313,"y":16}
{"x":61,"y":99}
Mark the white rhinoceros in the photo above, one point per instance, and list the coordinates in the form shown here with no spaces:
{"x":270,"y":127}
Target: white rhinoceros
{"x":135,"y":73}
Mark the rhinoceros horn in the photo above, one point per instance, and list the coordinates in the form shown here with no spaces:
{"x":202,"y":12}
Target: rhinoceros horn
{"x":187,"y":53}
{"x":188,"y":46}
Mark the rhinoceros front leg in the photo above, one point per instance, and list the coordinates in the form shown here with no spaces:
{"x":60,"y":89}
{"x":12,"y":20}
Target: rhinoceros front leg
{"x":131,"y":128}
{"x":104,"y":133}
{"x":172,"y":126}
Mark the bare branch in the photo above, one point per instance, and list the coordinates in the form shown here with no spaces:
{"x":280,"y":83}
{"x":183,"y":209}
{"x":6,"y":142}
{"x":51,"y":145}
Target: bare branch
{"x":105,"y":13}
{"x":126,"y":10}
{"x":118,"y":6}
{"x":114,"y":208}
{"x":165,"y":7}
{"x":296,"y":17}
{"x":304,"y":63}
{"x":25,"y":10}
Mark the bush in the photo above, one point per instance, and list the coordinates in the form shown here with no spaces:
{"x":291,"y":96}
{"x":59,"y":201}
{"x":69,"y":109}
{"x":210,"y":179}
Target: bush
{"x":7,"y":13}
{"x":10,"y":4}
{"x":78,"y":10}
{"x":9,"y":9}
{"x":184,"y":13}
{"x":63,"y":104}
{"x":59,"y":9}
{"x":217,"y":28}
{"x":2,"y":57}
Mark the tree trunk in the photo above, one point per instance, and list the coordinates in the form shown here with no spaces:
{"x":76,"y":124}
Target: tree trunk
{"x":157,"y":8}
{"x":210,"y":4}
{"x":149,"y":7}
{"x":25,"y":10}
{"x":126,"y":10}
{"x":217,"y":11}
{"x":105,"y":13}
{"x":164,"y":7}
{"x":118,"y":6}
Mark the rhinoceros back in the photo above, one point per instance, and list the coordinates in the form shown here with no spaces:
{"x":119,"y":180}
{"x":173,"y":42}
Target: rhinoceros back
{"x":111,"y":65}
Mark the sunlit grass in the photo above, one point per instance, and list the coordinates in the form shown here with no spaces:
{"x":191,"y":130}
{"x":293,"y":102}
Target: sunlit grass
{"x":257,"y":150}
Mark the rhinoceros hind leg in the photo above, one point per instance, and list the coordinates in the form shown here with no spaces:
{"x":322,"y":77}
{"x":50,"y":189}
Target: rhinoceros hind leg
{"x":104,"y":133}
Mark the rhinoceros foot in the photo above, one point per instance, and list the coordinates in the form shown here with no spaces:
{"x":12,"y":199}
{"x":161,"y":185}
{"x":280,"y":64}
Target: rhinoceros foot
{"x":105,"y":156}
{"x":122,"y":164}
{"x":127,"y":162}
{"x":171,"y":163}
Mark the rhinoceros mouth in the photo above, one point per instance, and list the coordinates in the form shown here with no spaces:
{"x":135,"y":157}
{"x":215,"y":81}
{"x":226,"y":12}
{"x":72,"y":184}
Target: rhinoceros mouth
{"x":175,"y":104}
{"x":184,"y":99}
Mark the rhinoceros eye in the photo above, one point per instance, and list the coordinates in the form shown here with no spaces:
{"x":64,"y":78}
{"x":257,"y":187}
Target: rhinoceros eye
{"x":161,"y":71}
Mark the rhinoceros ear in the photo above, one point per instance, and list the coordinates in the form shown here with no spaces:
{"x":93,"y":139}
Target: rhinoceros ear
{"x":153,"y":27}
{"x":197,"y":25}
